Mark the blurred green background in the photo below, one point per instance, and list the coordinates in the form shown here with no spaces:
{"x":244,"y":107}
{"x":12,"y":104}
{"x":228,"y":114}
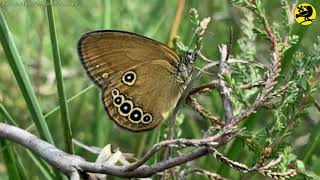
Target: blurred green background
{"x":89,"y":122}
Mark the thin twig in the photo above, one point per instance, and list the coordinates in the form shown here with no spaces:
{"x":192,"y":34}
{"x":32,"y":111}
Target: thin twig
{"x":202,"y":172}
{"x":253,"y":84}
{"x":214,"y":84}
{"x":181,"y":143}
{"x":251,"y":63}
{"x":204,"y":88}
{"x":223,"y":90}
{"x":203,"y":112}
{"x":229,"y":46}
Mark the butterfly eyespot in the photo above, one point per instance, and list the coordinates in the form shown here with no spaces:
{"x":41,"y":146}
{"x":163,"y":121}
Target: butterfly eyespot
{"x":147,"y":118}
{"x":125,"y":108}
{"x":136,"y":115}
{"x":117,"y":101}
{"x":129,"y":78}
{"x":115,"y":92}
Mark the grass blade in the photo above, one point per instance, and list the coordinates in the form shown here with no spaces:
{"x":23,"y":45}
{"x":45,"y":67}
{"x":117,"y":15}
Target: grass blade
{"x":58,"y":107}
{"x":312,"y":146}
{"x":14,"y":166}
{"x":6,"y":147}
{"x":69,"y":100}
{"x":41,"y":167}
{"x":9,"y":160}
{"x":23,"y":80}
{"x":60,"y":87}
{"x":106,"y":14}
{"x":101,"y":133}
{"x":6,"y":115}
{"x":21,"y":168}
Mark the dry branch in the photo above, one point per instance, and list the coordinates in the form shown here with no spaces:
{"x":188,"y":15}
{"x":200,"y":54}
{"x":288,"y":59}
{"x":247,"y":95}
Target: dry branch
{"x":71,"y":165}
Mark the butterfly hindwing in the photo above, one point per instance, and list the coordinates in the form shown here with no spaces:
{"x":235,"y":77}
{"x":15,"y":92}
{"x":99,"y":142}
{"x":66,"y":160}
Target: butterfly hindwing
{"x":152,"y":83}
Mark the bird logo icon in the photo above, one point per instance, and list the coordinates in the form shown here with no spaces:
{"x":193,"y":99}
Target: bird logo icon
{"x":305,"y":14}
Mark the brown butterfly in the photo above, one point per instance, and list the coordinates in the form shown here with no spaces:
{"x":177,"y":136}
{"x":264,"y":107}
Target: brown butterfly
{"x":141,"y":79}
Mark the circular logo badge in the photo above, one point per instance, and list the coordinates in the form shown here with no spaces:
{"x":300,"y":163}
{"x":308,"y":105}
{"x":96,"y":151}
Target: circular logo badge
{"x":305,"y":14}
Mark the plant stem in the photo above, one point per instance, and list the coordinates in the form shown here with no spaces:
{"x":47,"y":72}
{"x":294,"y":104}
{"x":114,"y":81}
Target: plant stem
{"x":176,"y":21}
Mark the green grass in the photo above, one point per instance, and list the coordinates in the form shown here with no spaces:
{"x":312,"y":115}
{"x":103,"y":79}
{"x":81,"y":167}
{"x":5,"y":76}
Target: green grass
{"x":22,"y":79}
{"x":10,"y":160}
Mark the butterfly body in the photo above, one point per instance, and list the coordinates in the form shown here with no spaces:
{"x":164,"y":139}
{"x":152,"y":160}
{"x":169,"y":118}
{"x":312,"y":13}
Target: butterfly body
{"x":141,"y":79}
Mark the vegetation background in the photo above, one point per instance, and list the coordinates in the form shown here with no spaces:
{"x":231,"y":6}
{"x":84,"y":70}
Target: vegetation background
{"x":89,"y":123}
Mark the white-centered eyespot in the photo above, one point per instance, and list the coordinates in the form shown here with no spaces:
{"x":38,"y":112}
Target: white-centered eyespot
{"x":125,"y":108}
{"x":135,"y":115}
{"x":118,"y":100}
{"x":129,"y":78}
{"x":147,"y":118}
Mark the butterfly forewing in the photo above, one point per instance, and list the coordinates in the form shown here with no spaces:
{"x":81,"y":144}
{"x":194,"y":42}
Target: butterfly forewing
{"x":137,"y":76}
{"x":103,"y":53}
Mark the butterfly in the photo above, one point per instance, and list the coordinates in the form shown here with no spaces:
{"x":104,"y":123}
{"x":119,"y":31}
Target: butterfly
{"x":141,"y":80}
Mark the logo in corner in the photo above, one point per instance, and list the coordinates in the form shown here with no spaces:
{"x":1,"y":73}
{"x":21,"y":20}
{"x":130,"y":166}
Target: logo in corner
{"x":305,"y":14}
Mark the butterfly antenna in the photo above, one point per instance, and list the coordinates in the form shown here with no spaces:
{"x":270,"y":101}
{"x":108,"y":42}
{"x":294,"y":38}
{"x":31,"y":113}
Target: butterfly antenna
{"x":206,"y":72}
{"x":204,"y":58}
{"x":192,"y":38}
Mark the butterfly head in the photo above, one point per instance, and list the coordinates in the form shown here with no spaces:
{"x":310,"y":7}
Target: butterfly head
{"x":185,"y":67}
{"x":189,"y":57}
